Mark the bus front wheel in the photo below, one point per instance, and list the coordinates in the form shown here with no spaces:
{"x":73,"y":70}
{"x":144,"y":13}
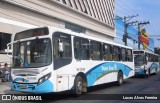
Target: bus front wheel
{"x":78,"y":86}
{"x":120,"y":78}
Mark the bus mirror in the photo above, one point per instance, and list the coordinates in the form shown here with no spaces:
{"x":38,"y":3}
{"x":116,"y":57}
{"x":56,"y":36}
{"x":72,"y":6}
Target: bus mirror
{"x":60,"y":46}
{"x":9,"y":51}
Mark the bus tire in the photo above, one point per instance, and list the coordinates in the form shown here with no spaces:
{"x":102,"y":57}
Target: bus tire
{"x":155,"y":71}
{"x":120,"y":78}
{"x":149,"y":72}
{"x":78,"y":86}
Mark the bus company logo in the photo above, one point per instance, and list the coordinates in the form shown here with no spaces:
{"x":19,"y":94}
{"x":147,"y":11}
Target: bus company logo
{"x":109,"y":68}
{"x":6,"y":97}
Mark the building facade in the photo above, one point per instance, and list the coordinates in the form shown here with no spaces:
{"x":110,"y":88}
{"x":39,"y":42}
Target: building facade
{"x":95,"y":16}
{"x":92,"y":17}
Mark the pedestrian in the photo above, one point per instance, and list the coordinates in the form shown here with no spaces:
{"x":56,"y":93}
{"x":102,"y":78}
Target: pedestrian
{"x":6,"y":72}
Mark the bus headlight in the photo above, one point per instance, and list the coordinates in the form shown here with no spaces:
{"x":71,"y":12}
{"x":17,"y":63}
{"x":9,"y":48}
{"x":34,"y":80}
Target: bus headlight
{"x":44,"y":78}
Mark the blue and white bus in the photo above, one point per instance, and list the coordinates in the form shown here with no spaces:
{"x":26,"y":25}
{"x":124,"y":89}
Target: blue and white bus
{"x":146,"y":63}
{"x":51,"y":59}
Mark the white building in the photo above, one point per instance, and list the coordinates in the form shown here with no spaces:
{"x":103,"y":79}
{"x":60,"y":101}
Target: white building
{"x":92,"y":17}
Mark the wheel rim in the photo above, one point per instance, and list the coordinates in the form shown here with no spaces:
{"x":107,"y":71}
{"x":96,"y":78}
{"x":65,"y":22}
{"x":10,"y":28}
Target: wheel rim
{"x":79,"y":86}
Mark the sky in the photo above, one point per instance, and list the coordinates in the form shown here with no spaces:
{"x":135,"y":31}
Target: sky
{"x":146,"y":10}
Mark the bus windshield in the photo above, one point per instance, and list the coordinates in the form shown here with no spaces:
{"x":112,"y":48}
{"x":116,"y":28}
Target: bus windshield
{"x":32,"y":53}
{"x":139,"y":60}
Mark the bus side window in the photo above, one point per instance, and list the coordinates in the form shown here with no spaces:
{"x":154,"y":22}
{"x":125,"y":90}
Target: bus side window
{"x":96,"y":50}
{"x":150,"y":57}
{"x":107,"y":52}
{"x":77,"y":50}
{"x":85,"y":49}
{"x":114,"y":53}
{"x":119,"y":54}
{"x":124,"y":56}
{"x":81,"y":48}
{"x":129,"y":55}
{"x":61,"y":49}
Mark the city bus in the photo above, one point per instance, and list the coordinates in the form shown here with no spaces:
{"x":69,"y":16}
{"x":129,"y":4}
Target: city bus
{"x":146,"y":62}
{"x":50,"y":59}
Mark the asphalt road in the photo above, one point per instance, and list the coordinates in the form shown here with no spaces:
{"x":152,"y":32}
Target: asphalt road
{"x":135,"y":85}
{"x":99,"y":94}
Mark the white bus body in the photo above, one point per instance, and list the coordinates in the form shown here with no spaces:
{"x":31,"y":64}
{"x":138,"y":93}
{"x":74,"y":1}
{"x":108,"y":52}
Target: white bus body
{"x":146,"y":63}
{"x":71,"y":61}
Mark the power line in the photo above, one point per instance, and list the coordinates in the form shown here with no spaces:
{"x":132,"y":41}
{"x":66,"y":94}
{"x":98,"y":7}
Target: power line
{"x":128,"y":10}
{"x":126,"y":20}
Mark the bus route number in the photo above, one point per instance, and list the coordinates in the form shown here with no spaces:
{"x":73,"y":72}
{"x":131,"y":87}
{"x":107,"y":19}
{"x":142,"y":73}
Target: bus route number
{"x":80,"y":69}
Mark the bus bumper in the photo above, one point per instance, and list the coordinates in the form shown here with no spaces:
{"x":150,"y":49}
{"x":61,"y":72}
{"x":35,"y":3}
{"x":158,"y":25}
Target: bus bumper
{"x":45,"y":87}
{"x":140,"y":72}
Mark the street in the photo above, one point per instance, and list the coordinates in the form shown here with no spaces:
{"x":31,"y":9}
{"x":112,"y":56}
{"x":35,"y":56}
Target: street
{"x":134,"y":85}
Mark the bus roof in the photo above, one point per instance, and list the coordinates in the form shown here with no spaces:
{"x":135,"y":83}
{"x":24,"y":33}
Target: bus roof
{"x":67,"y":31}
{"x":146,"y":52}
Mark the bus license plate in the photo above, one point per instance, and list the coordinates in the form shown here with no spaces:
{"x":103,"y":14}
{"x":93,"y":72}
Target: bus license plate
{"x":23,"y":86}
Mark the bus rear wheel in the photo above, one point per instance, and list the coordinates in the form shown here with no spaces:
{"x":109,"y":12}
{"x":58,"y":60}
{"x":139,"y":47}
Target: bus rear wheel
{"x":155,"y":71}
{"x":120,"y":78}
{"x":149,"y":72}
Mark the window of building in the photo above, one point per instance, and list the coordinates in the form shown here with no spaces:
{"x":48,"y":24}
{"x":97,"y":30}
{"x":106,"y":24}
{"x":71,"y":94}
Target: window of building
{"x":107,"y":52}
{"x":96,"y":50}
{"x":81,"y":48}
{"x":64,"y":1}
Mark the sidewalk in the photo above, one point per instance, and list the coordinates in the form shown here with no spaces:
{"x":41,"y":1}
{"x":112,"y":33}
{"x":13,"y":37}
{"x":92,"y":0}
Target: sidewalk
{"x":4,"y":87}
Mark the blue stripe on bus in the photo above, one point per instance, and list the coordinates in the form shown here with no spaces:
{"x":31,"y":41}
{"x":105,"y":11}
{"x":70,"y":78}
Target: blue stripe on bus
{"x":154,"y":66}
{"x":140,"y":72}
{"x":104,"y":68}
{"x":151,"y":68}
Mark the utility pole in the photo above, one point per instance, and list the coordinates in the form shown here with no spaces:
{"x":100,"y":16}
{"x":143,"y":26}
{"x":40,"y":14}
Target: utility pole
{"x":126,"y":24}
{"x":140,"y":24}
